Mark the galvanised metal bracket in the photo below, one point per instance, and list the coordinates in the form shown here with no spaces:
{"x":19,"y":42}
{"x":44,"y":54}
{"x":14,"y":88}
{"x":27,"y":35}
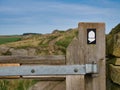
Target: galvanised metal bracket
{"x":47,"y":70}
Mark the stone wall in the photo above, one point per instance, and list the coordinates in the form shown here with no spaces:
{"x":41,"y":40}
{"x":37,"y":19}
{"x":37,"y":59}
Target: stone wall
{"x":113,"y":54}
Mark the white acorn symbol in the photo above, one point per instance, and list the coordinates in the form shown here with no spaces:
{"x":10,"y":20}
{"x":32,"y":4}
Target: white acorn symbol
{"x":91,"y":36}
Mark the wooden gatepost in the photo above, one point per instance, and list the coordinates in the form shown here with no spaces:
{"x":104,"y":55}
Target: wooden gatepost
{"x":83,"y":67}
{"x":88,"y":47}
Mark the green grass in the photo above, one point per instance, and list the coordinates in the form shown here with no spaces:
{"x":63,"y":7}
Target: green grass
{"x":17,"y":84}
{"x":4,"y":40}
{"x":65,"y":42}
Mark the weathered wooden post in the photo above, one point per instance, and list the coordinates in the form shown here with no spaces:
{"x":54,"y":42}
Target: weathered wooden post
{"x":88,"y":47}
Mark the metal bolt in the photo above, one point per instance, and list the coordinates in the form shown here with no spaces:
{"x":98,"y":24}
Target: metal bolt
{"x":75,"y":70}
{"x":32,"y":71}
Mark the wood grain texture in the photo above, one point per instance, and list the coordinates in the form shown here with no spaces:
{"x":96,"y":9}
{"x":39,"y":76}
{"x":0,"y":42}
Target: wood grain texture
{"x":73,"y":56}
{"x":94,"y":53}
{"x":44,"y":60}
{"x":49,"y":85}
{"x":45,"y":78}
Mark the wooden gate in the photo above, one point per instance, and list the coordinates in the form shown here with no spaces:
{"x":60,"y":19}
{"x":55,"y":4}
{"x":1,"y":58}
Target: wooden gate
{"x":85,"y":55}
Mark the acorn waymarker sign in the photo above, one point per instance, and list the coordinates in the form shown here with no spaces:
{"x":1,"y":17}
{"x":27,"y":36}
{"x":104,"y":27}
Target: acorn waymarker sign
{"x":91,"y":36}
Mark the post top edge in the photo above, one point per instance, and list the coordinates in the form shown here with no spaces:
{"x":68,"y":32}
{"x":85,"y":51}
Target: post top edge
{"x":91,"y":23}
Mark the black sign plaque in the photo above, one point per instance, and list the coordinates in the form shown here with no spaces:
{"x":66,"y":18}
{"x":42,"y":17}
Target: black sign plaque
{"x":91,"y":36}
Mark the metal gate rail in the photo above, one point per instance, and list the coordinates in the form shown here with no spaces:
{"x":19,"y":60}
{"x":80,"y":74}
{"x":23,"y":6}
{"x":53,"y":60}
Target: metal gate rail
{"x":45,"y":70}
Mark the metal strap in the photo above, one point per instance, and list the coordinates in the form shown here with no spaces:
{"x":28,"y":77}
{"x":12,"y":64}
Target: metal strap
{"x":45,"y":70}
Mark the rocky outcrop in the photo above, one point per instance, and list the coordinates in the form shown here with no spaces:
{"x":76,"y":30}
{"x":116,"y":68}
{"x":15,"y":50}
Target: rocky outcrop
{"x":4,"y":50}
{"x":113,"y":42}
{"x":116,"y":47}
{"x":113,"y":53}
{"x":115,"y":73}
{"x":18,"y":51}
{"x":32,"y":51}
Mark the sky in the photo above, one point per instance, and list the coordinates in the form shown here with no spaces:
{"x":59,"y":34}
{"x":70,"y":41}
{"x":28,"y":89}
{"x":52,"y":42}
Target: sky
{"x":44,"y":16}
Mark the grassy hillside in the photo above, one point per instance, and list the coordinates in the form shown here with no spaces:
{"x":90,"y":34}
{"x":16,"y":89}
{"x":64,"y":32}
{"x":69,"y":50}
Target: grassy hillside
{"x":47,"y":44}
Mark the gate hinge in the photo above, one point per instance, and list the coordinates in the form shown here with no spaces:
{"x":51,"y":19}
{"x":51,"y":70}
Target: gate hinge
{"x":47,"y":70}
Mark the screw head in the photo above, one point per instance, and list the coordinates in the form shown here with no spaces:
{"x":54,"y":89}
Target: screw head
{"x":32,"y":71}
{"x":75,"y":70}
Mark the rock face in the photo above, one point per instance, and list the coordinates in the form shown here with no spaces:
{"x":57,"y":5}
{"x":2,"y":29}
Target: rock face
{"x":29,"y":51}
{"x":115,"y":73}
{"x":18,"y":51}
{"x":113,"y":42}
{"x":113,"y":53}
{"x":114,"y":70}
{"x":4,"y":50}
{"x":116,"y":47}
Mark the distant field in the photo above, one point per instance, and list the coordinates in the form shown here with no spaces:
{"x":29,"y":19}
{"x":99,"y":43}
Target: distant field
{"x":4,"y":40}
